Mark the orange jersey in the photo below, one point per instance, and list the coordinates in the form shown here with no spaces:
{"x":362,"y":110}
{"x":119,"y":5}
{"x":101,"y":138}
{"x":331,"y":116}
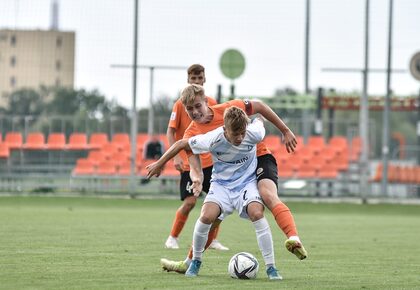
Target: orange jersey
{"x":180,"y":121}
{"x":217,"y":121}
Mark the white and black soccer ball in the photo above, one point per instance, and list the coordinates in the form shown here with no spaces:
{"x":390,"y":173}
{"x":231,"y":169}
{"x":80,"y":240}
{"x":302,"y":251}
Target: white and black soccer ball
{"x":243,"y":266}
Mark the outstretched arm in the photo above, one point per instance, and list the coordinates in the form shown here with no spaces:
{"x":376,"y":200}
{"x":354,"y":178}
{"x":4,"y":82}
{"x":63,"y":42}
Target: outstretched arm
{"x":170,"y":134}
{"x":196,"y":174}
{"x":155,"y":168}
{"x":263,"y":109}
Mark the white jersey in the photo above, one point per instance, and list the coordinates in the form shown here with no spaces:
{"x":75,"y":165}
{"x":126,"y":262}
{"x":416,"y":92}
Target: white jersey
{"x":233,"y":166}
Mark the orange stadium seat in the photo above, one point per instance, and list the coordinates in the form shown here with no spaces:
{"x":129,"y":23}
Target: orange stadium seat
{"x":106,"y":168}
{"x":328,"y":171}
{"x":124,"y":169}
{"x":305,"y":152}
{"x":169,"y":170}
{"x":109,"y":149}
{"x":96,"y":157}
{"x":377,"y":177}
{"x":97,"y":140}
{"x":4,"y":150}
{"x":14,"y":140}
{"x":78,"y":141}
{"x":120,"y":140}
{"x":286,"y":170}
{"x":35,"y":141}
{"x":306,"y":170}
{"x":83,"y":167}
{"x":273,"y":142}
{"x":56,"y":141}
{"x":338,"y":142}
{"x":317,"y":142}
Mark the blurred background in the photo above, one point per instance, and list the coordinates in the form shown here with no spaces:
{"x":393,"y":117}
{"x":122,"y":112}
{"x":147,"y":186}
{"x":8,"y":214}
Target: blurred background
{"x":333,"y":70}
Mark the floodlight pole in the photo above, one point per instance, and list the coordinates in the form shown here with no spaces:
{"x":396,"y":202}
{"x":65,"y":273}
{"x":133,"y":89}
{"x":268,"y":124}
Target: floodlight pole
{"x":387,"y":105}
{"x":134,"y":105}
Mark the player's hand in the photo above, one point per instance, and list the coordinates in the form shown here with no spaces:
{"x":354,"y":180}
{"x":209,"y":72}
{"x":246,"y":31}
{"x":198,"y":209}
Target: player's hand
{"x":196,"y":187}
{"x":154,"y":169}
{"x":178,"y":163}
{"x":290,"y":141}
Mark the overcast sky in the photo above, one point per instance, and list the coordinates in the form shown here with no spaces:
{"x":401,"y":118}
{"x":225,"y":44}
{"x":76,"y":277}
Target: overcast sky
{"x":269,"y":33}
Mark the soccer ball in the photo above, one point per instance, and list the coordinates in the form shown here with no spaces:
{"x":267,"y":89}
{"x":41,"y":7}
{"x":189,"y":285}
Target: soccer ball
{"x":243,"y":266}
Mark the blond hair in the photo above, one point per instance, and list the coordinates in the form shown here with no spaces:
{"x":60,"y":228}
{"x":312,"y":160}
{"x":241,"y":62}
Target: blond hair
{"x":190,"y":92}
{"x":235,"y":119}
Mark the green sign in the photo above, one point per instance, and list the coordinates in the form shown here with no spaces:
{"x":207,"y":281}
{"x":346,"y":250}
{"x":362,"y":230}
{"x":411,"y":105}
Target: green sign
{"x":232,"y":63}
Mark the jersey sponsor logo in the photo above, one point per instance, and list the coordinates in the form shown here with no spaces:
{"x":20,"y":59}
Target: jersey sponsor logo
{"x":210,"y":192}
{"x":193,"y":141}
{"x":173,"y":116}
{"x":220,"y":153}
{"x":250,"y":147}
{"x":239,"y":161}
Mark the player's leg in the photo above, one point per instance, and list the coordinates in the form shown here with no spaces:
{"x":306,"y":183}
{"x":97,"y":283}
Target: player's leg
{"x":267,"y":186}
{"x":209,"y":212}
{"x":215,"y":229}
{"x":181,"y":215}
{"x":250,"y":206}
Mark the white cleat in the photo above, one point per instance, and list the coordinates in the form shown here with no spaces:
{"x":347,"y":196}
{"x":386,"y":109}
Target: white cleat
{"x":216,"y":245}
{"x":171,"y":243}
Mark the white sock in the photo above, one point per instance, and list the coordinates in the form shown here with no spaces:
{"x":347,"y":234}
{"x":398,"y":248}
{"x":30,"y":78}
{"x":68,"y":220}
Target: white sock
{"x":265,"y":240}
{"x":295,"y":238}
{"x":200,"y":236}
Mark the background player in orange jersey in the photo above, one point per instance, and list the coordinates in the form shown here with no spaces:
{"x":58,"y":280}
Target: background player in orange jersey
{"x":205,"y":119}
{"x":178,"y":122}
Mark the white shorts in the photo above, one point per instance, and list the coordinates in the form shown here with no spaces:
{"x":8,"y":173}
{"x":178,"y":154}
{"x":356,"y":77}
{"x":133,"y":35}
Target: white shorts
{"x":229,"y":200}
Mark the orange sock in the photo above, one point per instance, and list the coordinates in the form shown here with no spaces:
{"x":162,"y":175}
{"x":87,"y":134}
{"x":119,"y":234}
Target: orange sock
{"x":284,"y":219}
{"x":178,"y":225}
{"x":213,"y":232}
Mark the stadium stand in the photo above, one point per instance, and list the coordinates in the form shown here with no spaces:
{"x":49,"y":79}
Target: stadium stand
{"x":4,"y":150}
{"x":97,"y":140}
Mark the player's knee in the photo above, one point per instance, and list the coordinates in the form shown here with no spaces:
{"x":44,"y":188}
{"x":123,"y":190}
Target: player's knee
{"x":189,"y":204}
{"x":255,"y":211}
{"x":207,"y":219}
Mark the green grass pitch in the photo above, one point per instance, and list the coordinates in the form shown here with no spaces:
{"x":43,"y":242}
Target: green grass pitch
{"x":93,"y":243}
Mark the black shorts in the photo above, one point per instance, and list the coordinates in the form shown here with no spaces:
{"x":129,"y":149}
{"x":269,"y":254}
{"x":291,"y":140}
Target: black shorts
{"x":267,"y":168}
{"x":186,"y":182}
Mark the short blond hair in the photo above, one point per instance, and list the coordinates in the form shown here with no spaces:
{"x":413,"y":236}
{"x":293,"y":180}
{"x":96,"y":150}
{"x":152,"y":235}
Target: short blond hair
{"x":190,"y":92}
{"x":235,"y":119}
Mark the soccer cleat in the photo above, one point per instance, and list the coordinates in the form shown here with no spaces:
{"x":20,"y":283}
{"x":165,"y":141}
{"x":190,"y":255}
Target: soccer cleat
{"x":273,"y":274}
{"x":216,"y":245}
{"x":193,"y":269}
{"x":296,"y":248}
{"x":171,"y":243}
{"x":173,"y":266}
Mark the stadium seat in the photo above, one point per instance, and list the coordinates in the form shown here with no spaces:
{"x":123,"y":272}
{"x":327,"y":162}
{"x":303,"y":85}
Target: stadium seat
{"x":56,"y":141}
{"x":14,"y":140}
{"x":106,"y":168}
{"x":97,"y":140}
{"x":142,"y":139}
{"x":120,"y":140}
{"x":341,"y":161}
{"x":119,"y":158}
{"x":4,"y":150}
{"x":305,"y":152}
{"x":286,"y":170}
{"x":169,"y":170}
{"x":124,"y":169}
{"x":83,"y":167}
{"x":109,"y":149}
{"x":307,"y":170}
{"x":338,"y":141}
{"x":377,"y":177}
{"x":316,"y":142}
{"x":273,"y":142}
{"x":35,"y":141}
{"x":95,"y":157}
{"x":329,"y":152}
{"x":78,"y":141}
{"x":328,"y":171}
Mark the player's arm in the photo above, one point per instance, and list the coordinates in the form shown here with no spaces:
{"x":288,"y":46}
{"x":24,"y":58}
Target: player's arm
{"x":156,"y":168}
{"x":263,"y":109}
{"x":196,"y":174}
{"x":170,"y":134}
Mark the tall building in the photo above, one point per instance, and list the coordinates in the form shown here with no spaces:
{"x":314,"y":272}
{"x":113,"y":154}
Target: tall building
{"x":31,"y":58}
